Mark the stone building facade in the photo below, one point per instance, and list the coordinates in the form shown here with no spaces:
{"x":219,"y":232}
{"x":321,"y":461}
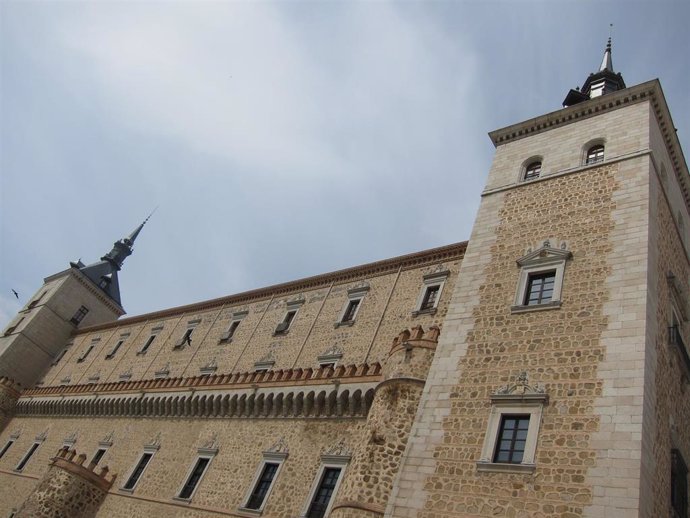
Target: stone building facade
{"x":538,"y":369}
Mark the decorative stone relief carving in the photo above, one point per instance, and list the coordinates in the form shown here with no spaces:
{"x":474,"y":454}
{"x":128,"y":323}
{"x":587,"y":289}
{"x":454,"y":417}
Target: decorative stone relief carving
{"x":280,"y":446}
{"x":154,"y":443}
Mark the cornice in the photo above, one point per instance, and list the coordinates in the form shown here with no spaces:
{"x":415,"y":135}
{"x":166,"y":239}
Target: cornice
{"x":443,"y":253}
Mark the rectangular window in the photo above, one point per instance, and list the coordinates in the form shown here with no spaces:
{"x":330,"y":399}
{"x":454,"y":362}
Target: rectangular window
{"x":512,"y":437}
{"x":540,"y":288}
{"x":79,"y":315}
{"x":27,"y":457}
{"x":12,"y":328}
{"x":86,"y":353}
{"x":35,"y":302}
{"x":138,"y":470}
{"x":227,"y":336}
{"x":285,"y":324}
{"x":98,"y":456}
{"x":5,"y":448}
{"x":113,"y":351}
{"x":147,"y":344}
{"x":679,"y":484}
{"x":351,"y":310}
{"x":324,"y":492}
{"x":430,"y":297}
{"x":194,"y":477}
{"x":256,"y":499}
{"x":186,"y":339}
{"x":61,"y":354}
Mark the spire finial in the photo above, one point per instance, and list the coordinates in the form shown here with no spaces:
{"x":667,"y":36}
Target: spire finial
{"x":136,"y":231}
{"x":607,"y":62}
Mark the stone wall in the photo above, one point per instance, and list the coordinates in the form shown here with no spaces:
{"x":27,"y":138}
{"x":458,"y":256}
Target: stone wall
{"x":9,"y":393}
{"x":376,"y":459}
{"x":387,"y":308}
{"x":68,"y":490}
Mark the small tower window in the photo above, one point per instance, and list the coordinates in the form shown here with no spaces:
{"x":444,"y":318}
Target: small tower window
{"x":79,"y":315}
{"x":532,"y":171}
{"x":595,"y":154}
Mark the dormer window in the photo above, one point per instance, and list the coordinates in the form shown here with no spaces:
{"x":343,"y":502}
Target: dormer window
{"x":595,"y":154}
{"x":532,"y":171}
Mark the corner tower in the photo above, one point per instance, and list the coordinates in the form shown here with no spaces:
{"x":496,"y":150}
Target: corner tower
{"x":557,"y":385}
{"x":82,"y":295}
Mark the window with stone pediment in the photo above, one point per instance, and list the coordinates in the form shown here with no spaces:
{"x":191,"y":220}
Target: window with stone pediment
{"x":432,"y":287}
{"x":510,"y":443}
{"x":327,"y":481}
{"x":265,"y":477}
{"x":540,"y":279}
{"x":206,"y":453}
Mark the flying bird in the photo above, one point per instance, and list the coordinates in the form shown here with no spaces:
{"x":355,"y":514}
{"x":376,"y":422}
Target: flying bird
{"x":16,"y":294}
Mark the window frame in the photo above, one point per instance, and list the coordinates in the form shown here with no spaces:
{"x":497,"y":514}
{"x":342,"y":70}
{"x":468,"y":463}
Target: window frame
{"x":201,"y":454}
{"x":292,"y":307}
{"x":120,"y":342}
{"x":591,"y":145}
{"x":541,"y":261}
{"x":678,"y":462}
{"x":148,"y":450}
{"x":61,"y":354}
{"x":100,"y":448}
{"x":327,"y":461}
{"x":354,"y":296}
{"x":501,"y":437}
{"x":7,"y":446}
{"x":235,"y":322}
{"x":518,"y":400}
{"x":187,"y":336}
{"x":12,"y":328}
{"x":92,"y":345}
{"x":147,"y":344}
{"x":79,"y":315}
{"x":429,"y":281}
{"x":268,"y":458}
{"x":530,"y":166}
{"x":27,"y":456}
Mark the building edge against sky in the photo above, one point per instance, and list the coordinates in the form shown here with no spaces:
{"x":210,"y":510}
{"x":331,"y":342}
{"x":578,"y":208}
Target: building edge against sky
{"x":538,"y":369}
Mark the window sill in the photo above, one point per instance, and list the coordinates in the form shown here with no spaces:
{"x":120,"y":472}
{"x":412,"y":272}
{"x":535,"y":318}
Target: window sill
{"x":347,"y":323}
{"x":281,"y":333}
{"x":430,"y":311}
{"x":556,"y":304}
{"x":125,"y":490}
{"x":226,"y":341}
{"x":141,"y":353}
{"x":245,"y":511}
{"x":182,"y":500}
{"x":499,"y":467}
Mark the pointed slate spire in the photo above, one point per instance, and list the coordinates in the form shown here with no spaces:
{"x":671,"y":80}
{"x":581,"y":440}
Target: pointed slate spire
{"x":604,"y":81}
{"x":104,"y":272}
{"x":607,"y":63}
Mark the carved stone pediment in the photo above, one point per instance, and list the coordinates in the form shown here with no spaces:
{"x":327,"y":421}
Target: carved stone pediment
{"x":333,"y":353}
{"x":521,"y":390}
{"x":338,"y":451}
{"x":545,"y":254}
{"x":107,"y":439}
{"x":154,"y":443}
{"x":210,"y":446}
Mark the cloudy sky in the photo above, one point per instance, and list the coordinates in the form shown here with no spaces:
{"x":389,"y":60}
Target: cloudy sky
{"x":280,"y":140}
